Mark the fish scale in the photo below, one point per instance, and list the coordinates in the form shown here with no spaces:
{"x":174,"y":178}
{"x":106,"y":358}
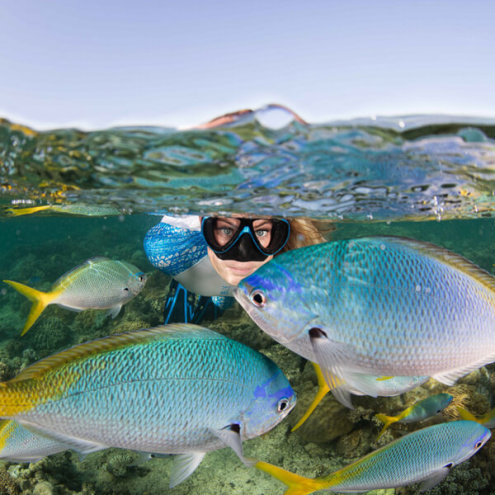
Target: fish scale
{"x":408,"y":459}
{"x":386,"y":306}
{"x":425,"y":455}
{"x":160,"y":390}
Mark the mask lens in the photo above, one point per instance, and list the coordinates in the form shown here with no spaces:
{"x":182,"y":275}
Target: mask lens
{"x":221,"y":233}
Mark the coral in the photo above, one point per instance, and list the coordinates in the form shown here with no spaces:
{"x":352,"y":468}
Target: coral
{"x":463,"y":479}
{"x":7,"y":484}
{"x":5,"y":372}
{"x":467,"y":397}
{"x":328,"y":422}
{"x":50,"y":334}
{"x":44,"y":488}
{"x":356,"y":444}
{"x":118,"y":464}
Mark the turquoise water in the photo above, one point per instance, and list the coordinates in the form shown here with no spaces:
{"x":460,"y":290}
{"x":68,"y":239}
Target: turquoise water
{"x":429,"y":178}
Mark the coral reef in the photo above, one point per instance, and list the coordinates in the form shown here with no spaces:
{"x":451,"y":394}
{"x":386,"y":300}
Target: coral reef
{"x":8,"y":486}
{"x":332,"y":437}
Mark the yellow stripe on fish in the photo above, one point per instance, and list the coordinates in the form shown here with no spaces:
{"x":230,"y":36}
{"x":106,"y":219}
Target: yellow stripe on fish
{"x":6,"y":429}
{"x":24,"y":392}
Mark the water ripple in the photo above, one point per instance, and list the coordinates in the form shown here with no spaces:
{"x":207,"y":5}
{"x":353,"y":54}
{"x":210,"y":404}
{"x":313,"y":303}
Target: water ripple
{"x":381,"y":169}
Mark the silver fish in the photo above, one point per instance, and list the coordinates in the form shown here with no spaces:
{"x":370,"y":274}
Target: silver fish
{"x":98,"y":283}
{"x":379,"y":306}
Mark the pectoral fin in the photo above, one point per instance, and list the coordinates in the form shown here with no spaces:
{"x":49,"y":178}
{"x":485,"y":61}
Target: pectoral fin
{"x":435,"y":478}
{"x":183,"y":466}
{"x":231,"y":437}
{"x":113,"y":312}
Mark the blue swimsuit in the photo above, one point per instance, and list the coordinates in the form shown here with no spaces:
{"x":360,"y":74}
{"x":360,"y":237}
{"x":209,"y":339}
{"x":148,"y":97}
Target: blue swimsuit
{"x":177,"y":248}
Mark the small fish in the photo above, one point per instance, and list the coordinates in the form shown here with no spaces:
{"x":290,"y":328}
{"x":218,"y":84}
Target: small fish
{"x":425,"y":456}
{"x":173,"y":389}
{"x":487,"y":420}
{"x":17,"y":444}
{"x":379,"y":306}
{"x":70,"y":209}
{"x":385,"y":387}
{"x":98,"y":283}
{"x":424,"y":409}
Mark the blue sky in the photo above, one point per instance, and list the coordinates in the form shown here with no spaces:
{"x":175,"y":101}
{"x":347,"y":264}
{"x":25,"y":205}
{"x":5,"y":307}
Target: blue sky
{"x":97,"y":63}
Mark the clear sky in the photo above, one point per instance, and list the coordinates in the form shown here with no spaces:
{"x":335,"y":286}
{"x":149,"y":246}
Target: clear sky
{"x":98,"y":63}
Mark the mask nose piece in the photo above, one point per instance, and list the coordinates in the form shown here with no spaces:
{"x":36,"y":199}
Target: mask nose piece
{"x":247,"y":250}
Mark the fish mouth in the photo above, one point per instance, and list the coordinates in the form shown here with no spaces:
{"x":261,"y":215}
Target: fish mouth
{"x":241,"y":298}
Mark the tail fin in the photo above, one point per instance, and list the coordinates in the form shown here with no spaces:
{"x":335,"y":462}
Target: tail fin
{"x":465,"y":414}
{"x":40,"y":301}
{"x":388,"y":420}
{"x":298,"y":485}
{"x":323,"y":390}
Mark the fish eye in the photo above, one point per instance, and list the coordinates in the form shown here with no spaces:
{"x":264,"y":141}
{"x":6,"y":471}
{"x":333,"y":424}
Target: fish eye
{"x":126,"y":288}
{"x":478,"y":445}
{"x":282,"y":404}
{"x":258,"y":298}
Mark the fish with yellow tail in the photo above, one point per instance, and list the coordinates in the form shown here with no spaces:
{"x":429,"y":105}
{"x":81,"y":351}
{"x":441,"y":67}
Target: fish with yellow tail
{"x":174,"y":389}
{"x":98,"y":283}
{"x":487,"y":419}
{"x":425,"y":456}
{"x":71,"y":209}
{"x":376,"y":306}
{"x":424,"y":409}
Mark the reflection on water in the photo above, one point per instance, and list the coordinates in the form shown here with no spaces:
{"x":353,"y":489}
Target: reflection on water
{"x":404,"y":168}
{"x":368,"y":176}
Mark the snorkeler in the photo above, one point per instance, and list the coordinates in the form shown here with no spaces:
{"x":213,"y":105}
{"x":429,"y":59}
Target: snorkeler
{"x":207,"y":257}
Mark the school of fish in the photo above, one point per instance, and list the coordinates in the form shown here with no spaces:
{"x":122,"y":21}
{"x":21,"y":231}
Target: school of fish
{"x":376,"y":316}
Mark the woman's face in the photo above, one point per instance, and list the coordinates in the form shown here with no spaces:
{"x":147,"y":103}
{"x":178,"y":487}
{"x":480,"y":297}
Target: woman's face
{"x":232,"y":270}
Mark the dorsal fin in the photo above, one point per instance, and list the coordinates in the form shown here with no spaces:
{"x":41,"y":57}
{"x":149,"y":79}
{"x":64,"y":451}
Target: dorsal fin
{"x":113,"y":342}
{"x":443,"y":255}
{"x":78,"y":268}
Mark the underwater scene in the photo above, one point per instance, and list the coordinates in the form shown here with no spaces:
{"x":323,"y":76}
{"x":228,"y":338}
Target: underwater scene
{"x":105,"y":234}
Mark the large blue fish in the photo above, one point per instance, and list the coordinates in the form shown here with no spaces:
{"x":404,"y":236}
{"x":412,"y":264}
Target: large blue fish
{"x":380,"y":306}
{"x":175,"y":389}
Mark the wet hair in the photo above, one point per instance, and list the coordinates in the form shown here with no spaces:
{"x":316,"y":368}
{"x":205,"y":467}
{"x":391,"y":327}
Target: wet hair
{"x":306,"y":232}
